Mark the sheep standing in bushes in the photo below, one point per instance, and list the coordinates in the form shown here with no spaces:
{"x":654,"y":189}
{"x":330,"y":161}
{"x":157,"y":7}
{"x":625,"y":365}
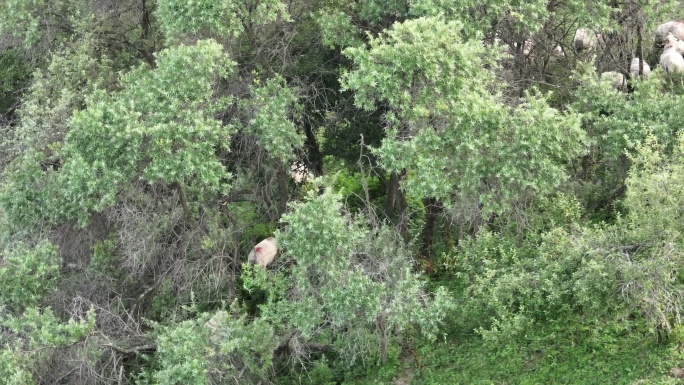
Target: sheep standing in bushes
{"x":558,"y":51}
{"x":264,"y":252}
{"x":300,"y":173}
{"x":670,"y":28}
{"x":616,"y":79}
{"x":671,"y":60}
{"x":670,"y":34}
{"x":585,"y":40}
{"x":634,"y":69}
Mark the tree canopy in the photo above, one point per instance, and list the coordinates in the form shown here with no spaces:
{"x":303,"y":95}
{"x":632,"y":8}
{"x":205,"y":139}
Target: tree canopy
{"x":455,"y":194}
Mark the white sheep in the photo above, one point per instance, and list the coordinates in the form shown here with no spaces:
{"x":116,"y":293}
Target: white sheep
{"x":671,"y":27}
{"x":299,"y":172}
{"x":264,"y":252}
{"x":527,"y":47}
{"x":634,"y":69}
{"x":585,"y":39}
{"x":558,"y":51}
{"x":616,"y":79}
{"x":672,"y":61}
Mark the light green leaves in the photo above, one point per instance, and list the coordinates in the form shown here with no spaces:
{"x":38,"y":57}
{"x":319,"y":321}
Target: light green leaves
{"x":655,"y":190}
{"x":415,"y":64}
{"x":215,"y":348}
{"x":347,"y":279}
{"x":72,"y":74}
{"x":445,"y":127}
{"x":528,"y":15}
{"x":182,"y":351}
{"x":338,"y":30}
{"x":41,"y":333}
{"x":206,"y":18}
{"x":272,"y":123}
{"x":44,"y":330}
{"x":12,"y":368}
{"x":21,"y":13}
{"x":27,"y":276}
{"x":159,"y":128}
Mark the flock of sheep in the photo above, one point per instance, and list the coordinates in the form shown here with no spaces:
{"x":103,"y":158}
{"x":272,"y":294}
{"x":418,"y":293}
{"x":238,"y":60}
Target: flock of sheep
{"x":671,"y":34}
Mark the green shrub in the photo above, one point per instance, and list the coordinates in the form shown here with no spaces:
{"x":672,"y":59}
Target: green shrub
{"x":27,"y":275}
{"x":213,"y":348}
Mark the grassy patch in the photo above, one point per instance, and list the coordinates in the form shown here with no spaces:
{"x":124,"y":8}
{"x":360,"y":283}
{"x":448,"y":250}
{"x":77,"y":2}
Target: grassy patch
{"x":561,"y":359}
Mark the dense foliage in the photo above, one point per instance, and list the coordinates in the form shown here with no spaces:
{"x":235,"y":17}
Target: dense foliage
{"x":455,"y":195}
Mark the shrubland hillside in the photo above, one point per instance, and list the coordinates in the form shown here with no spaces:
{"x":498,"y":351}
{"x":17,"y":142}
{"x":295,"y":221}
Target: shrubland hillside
{"x":334,"y":192}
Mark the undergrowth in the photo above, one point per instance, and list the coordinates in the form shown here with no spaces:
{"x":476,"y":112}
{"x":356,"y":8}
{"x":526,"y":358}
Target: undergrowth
{"x":551,"y":356}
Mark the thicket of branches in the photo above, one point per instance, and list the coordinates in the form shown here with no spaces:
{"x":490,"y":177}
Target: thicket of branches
{"x":465,"y":170}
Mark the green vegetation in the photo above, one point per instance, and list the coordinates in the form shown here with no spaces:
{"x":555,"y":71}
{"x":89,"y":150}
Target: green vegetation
{"x":455,"y":196}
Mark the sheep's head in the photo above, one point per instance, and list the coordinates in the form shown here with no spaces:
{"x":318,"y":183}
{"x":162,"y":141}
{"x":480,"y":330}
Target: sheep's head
{"x":673,"y":42}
